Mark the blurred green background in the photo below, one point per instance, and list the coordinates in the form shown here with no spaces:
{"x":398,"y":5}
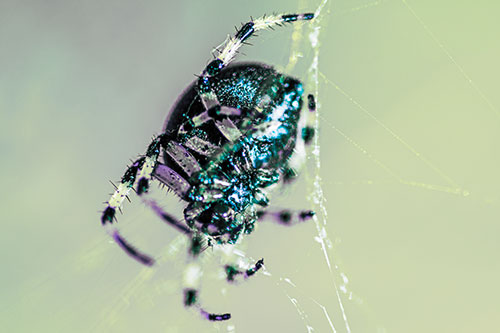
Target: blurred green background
{"x":409,"y":132}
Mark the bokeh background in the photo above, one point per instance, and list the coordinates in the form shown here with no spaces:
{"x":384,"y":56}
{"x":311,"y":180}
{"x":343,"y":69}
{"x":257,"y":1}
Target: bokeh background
{"x":409,"y":132}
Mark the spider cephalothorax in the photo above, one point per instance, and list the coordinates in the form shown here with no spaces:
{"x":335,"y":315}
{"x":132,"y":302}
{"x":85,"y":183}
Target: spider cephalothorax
{"x":229,"y":137}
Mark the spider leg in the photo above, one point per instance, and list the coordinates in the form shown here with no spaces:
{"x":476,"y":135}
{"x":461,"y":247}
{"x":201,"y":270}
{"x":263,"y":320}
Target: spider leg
{"x":191,"y":292}
{"x":311,"y":103}
{"x":172,"y":180}
{"x":132,"y":251}
{"x":221,"y":121}
{"x":182,"y":157}
{"x":215,"y":317}
{"x":191,"y":282}
{"x":201,"y":146}
{"x":285,"y":216}
{"x":305,"y":137}
{"x":231,"y":46}
{"x":258,"y":265}
{"x":168,"y":218}
{"x":213,"y":110}
{"x":140,"y":173}
{"x":228,"y":129}
{"x":307,"y":133}
{"x":232,"y":271}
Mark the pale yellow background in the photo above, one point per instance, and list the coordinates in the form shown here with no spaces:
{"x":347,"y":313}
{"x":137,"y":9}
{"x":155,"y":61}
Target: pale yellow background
{"x":409,"y":134}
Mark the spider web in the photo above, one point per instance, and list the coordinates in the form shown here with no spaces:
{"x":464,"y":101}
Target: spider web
{"x":390,"y":212}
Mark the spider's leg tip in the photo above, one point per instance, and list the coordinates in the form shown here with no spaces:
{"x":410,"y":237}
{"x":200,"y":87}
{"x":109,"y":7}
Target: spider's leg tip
{"x":218,"y":317}
{"x":108,"y":215}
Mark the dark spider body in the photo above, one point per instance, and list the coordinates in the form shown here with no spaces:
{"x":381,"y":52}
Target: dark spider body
{"x":228,"y":138}
{"x":231,"y":179}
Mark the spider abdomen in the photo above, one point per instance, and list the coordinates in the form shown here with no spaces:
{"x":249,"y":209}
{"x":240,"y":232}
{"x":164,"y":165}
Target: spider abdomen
{"x":235,"y":170}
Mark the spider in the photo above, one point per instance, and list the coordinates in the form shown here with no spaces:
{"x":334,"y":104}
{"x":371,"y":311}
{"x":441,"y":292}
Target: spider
{"x":229,"y":137}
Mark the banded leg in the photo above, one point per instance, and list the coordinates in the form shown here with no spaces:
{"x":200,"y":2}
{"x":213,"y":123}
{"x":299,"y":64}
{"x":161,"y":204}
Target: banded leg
{"x":307,"y":132}
{"x":191,"y":282}
{"x":228,"y":129}
{"x":305,"y":137}
{"x":230,"y":49}
{"x":140,"y":173}
{"x":232,"y":271}
{"x":131,"y":250}
{"x":285,"y":216}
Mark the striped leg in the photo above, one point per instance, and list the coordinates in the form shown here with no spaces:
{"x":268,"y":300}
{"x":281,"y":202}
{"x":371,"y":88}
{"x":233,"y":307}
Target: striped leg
{"x":285,"y":216}
{"x":141,"y":171}
{"x":307,"y":133}
{"x":305,"y":137}
{"x":232,"y":271}
{"x":140,"y":174}
{"x":191,"y":281}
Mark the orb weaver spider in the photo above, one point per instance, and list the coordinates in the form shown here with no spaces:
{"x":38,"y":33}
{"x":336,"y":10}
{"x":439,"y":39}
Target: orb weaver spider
{"x":229,"y":137}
